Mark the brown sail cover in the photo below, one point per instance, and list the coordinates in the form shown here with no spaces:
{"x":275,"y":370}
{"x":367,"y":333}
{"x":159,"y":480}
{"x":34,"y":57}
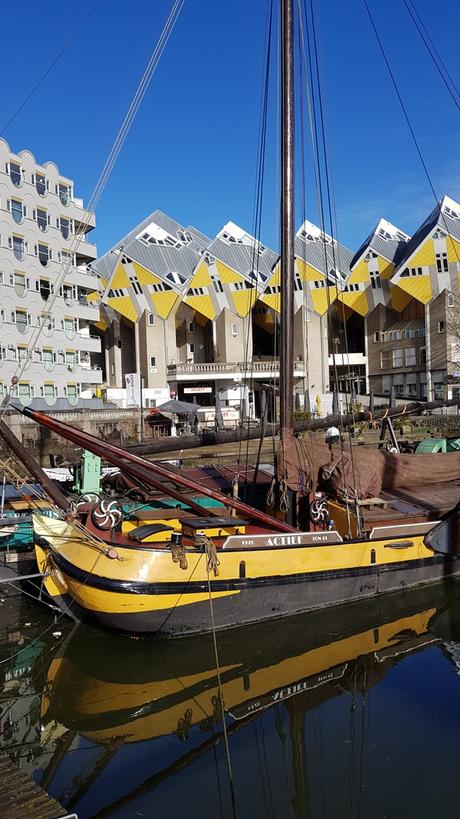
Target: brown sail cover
{"x":364,"y":471}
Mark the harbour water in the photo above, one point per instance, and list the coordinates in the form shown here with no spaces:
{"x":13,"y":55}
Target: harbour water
{"x":341,"y":713}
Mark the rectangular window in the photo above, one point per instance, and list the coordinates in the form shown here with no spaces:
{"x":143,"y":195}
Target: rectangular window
{"x":69,"y":327}
{"x":44,"y":288}
{"x":65,"y":227}
{"x":15,"y":174}
{"x":71,"y":360}
{"x":24,"y":392}
{"x":42,"y":219}
{"x":234,"y":328}
{"x":450,"y":300}
{"x":67,"y":259}
{"x":48,"y":391}
{"x":423,"y":356}
{"x":40,"y":184}
{"x":21,"y":321}
{"x":153,"y":361}
{"x":68,"y":294}
{"x":377,"y":336}
{"x":72,"y":394}
{"x":17,"y":245}
{"x":442,"y":263}
{"x":385,"y":359}
{"x":64,"y":194}
{"x":411,"y":357}
{"x":441,"y":327}
{"x":43,"y":253}
{"x":20,"y":284}
{"x":17,"y":211}
{"x":398,"y":357}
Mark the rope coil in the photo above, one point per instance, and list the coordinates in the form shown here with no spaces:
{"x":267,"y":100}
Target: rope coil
{"x":271,"y":495}
{"x":284,"y":502}
{"x":202,"y":541}
{"x":178,"y":555}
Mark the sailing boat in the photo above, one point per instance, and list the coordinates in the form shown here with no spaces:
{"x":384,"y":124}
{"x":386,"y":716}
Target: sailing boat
{"x":182,"y":574}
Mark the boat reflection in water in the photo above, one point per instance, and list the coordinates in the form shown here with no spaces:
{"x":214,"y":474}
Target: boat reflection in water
{"x":121,"y":718}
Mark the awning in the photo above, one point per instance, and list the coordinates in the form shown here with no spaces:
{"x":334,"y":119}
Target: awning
{"x":178,"y":407}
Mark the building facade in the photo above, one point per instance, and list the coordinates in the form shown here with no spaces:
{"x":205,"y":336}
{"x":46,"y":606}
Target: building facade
{"x":50,"y":346}
{"x":199,"y":317}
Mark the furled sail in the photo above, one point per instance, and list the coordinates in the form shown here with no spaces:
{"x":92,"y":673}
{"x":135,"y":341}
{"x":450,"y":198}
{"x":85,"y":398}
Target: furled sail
{"x":359,"y":472}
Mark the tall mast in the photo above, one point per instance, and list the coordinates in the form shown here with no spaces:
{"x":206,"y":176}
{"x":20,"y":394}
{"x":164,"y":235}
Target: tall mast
{"x":287,"y":218}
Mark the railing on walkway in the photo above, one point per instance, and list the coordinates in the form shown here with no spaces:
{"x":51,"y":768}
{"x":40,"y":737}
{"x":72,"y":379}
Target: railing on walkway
{"x":230,"y":367}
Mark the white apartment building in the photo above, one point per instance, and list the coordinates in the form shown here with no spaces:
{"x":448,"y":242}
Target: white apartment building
{"x":48,"y":343}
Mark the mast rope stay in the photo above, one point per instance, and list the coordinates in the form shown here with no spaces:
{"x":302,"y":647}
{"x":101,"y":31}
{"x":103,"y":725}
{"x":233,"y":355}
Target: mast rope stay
{"x":409,"y":125}
{"x":323,"y":187}
{"x":256,"y":228}
{"x":433,"y":52}
{"x":98,"y":190}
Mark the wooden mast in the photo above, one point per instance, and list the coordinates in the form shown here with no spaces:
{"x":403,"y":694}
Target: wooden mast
{"x":287,"y":218}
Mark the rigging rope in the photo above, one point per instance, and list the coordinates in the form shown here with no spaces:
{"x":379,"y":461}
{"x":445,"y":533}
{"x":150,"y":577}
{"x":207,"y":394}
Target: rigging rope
{"x":256,"y":229}
{"x":50,"y":67}
{"x":221,"y":695}
{"x":103,"y":179}
{"x":309,"y":53}
{"x":409,"y":123}
{"x":433,"y":52}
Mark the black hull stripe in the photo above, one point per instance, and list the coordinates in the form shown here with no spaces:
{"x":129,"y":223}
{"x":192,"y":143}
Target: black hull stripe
{"x":237,"y":584}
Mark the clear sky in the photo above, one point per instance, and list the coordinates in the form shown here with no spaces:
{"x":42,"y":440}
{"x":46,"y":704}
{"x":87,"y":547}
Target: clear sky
{"x":192,"y":149}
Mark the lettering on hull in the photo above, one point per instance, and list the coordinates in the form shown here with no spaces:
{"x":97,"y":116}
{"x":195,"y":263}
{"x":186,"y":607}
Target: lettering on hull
{"x":289,"y":691}
{"x":282,"y":540}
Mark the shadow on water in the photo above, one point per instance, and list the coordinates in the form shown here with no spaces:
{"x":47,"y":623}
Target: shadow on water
{"x":327,"y":714}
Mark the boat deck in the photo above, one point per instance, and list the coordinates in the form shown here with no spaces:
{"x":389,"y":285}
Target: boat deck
{"x":435,"y":498}
{"x":416,"y":504}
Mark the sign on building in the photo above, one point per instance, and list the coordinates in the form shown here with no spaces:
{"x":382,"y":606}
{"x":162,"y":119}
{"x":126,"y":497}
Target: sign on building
{"x":133,"y":389}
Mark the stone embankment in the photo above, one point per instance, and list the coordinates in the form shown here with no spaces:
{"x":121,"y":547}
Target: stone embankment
{"x":117,"y":426}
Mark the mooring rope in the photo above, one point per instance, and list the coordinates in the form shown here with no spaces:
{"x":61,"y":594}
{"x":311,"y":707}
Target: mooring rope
{"x":209,"y":567}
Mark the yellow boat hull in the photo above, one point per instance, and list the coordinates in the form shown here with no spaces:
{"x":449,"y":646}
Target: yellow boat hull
{"x":140,"y":589}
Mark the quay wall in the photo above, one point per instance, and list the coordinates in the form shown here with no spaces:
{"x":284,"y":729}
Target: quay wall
{"x":117,"y":426}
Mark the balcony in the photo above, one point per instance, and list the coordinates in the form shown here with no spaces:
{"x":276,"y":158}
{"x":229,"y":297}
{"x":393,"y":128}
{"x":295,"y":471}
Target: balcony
{"x":81,"y":215}
{"x":347,"y":359}
{"x":87,"y":343}
{"x":82,"y":277}
{"x":89,"y":374}
{"x":85,"y":310}
{"x":84,"y":248}
{"x":224,"y":370}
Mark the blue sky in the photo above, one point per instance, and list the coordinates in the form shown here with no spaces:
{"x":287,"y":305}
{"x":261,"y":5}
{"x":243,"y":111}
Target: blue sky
{"x":192,"y":149}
